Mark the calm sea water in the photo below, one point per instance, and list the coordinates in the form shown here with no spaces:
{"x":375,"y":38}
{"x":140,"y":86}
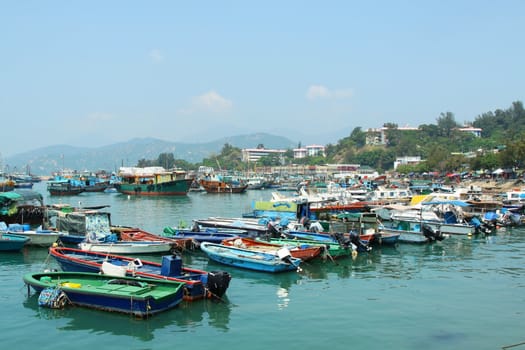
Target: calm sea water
{"x":455,"y":294}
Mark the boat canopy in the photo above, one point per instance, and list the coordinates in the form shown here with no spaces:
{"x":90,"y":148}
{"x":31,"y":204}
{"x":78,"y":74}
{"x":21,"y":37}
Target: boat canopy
{"x":9,"y":196}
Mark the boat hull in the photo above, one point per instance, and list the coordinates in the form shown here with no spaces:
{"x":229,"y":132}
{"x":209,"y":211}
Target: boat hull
{"x":136,"y":247}
{"x":303,"y":251}
{"x":12,"y":242}
{"x":196,"y":281}
{"x":222,"y":187}
{"x":128,"y":295}
{"x":333,"y":250}
{"x":178,"y":187}
{"x":404,"y":236}
{"x":246,"y":259}
{"x":40,"y":239}
{"x":213,"y":237}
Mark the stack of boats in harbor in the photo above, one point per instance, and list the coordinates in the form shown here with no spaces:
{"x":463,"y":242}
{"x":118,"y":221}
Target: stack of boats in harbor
{"x":276,"y":236}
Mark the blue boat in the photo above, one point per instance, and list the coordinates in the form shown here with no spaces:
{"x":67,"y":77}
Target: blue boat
{"x":199,"y":284}
{"x":345,"y":240}
{"x":251,"y":259}
{"x":10,"y":242}
{"x":207,"y":234}
{"x":138,"y":297}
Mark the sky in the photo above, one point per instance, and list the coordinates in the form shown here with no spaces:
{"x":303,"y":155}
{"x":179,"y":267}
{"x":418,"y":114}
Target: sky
{"x":94,"y":73}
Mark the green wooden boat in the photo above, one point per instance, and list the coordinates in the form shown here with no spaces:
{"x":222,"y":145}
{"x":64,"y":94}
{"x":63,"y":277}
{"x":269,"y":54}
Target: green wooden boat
{"x":140,"y":297}
{"x":153,"y":181}
{"x":333,"y":250}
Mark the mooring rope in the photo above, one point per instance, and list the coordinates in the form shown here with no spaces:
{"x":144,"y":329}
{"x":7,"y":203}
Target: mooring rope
{"x":513,"y":345}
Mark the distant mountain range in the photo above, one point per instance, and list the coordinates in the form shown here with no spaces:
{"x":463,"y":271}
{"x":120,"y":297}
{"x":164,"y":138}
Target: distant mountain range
{"x":45,"y":161}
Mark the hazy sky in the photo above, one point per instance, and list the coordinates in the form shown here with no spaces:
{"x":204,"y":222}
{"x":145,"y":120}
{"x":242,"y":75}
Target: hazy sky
{"x":93,"y":73}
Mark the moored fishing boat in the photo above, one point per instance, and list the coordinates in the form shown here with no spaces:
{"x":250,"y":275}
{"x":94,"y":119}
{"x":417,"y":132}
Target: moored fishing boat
{"x":6,"y":184}
{"x":76,"y":224}
{"x":135,"y":234}
{"x":303,"y":251}
{"x":411,"y":232}
{"x":223,"y":184}
{"x":38,"y":237}
{"x":254,"y":227}
{"x":65,"y":187}
{"x":332,"y":249}
{"x":127,"y":247}
{"x":208,"y":234}
{"x":352,"y":240}
{"x":153,"y":181}
{"x":22,"y":206}
{"x":199,"y":284}
{"x":251,"y":259}
{"x":10,"y":242}
{"x":130,"y":295}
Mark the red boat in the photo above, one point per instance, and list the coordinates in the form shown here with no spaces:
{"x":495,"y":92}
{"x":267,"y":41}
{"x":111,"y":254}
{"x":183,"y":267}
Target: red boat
{"x":136,"y":234}
{"x":301,"y":251}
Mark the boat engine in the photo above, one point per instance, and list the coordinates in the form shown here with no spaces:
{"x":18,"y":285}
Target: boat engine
{"x":361,"y":247}
{"x":432,"y":234}
{"x":218,"y":283}
{"x":275,"y":230}
{"x":341,"y":239}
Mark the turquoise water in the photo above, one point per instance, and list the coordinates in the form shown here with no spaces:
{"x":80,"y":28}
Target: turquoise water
{"x":457,"y":294}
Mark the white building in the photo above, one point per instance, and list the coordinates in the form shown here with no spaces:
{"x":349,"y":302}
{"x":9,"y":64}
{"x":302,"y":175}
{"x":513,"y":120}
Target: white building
{"x":309,"y":151}
{"x":475,"y":131}
{"x":254,"y":154}
{"x":299,"y":153}
{"x":315,"y":150}
{"x":377,"y":136}
{"x":407,"y":160}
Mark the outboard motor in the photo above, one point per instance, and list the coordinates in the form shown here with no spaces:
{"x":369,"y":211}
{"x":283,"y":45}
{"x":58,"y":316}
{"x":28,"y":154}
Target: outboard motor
{"x":431,"y":234}
{"x":305,"y":221}
{"x":361,"y":247}
{"x":218,"y":283}
{"x":273,"y":231}
{"x":340,"y":238}
{"x":195,"y":227}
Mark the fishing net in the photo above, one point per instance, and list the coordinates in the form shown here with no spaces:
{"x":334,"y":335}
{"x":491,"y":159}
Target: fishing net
{"x":53,"y":298}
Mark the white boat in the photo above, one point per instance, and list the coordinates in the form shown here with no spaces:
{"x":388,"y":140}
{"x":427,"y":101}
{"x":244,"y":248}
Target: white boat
{"x":443,"y":216}
{"x":390,"y":194}
{"x":38,"y":237}
{"x":133,"y":247}
{"x":514,"y":198}
{"x":253,"y":226}
{"x":41,"y":238}
{"x":411,"y":232}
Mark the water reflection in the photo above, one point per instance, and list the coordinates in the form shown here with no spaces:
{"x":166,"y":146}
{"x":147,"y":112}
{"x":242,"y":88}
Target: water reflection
{"x":186,"y":315}
{"x":38,"y":257}
{"x":214,"y":313}
{"x":278,"y":284}
{"x":403,"y":261}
